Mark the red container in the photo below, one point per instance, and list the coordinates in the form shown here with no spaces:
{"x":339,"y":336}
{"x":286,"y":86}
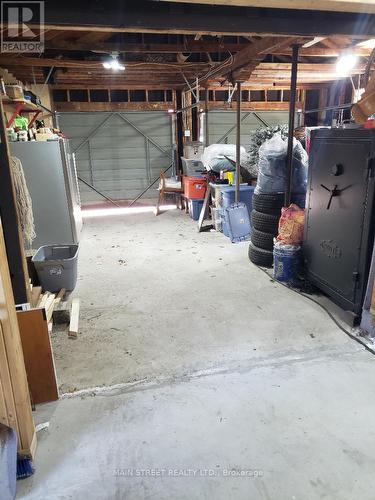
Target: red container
{"x":194,"y":188}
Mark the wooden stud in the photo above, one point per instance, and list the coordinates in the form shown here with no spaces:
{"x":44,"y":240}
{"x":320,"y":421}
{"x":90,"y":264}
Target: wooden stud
{"x":74,"y":319}
{"x":11,"y":349}
{"x":36,"y":292}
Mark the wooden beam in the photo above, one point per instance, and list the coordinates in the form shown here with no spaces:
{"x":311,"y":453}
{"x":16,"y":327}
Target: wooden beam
{"x":253,"y":105}
{"x":12,"y":372}
{"x":247,"y":58}
{"x":110,"y":86}
{"x":323,"y":52}
{"x":213,"y":86}
{"x":193,"y":47}
{"x":167,"y":17}
{"x":47,"y":62}
{"x":139,"y":48}
{"x":74,"y":318}
{"x":358,"y":6}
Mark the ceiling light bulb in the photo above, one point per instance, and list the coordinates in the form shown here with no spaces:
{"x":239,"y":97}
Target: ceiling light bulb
{"x":345,"y":64}
{"x":115,"y":65}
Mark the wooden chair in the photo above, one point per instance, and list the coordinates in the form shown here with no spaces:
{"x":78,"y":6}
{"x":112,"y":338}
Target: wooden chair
{"x":168,"y":186}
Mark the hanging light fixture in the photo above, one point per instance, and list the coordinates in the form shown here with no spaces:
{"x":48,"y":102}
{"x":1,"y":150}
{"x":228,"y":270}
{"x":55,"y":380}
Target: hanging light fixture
{"x":113,"y":63}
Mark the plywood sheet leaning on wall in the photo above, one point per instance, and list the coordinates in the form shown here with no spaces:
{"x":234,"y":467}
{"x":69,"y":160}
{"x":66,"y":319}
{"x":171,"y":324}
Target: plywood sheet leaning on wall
{"x":37,"y":351}
{"x":15,"y":403}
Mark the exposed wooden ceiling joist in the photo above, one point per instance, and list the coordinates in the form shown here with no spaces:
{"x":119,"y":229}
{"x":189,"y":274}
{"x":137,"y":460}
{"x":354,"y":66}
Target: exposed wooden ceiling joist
{"x":246,"y":59}
{"x":190,"y":47}
{"x":45,"y":62}
{"x":107,"y":47}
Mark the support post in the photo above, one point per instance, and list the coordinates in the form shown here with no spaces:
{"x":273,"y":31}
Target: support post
{"x":207,"y":138}
{"x":292,"y":109}
{"x":238,"y":142}
{"x":9,"y":218}
{"x":179,"y":131}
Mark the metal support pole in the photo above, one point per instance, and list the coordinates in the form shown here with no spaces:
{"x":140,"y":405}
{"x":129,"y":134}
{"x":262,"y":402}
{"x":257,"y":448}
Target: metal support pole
{"x":292,"y":108}
{"x":238,"y":143}
{"x":207,"y":138}
{"x":179,"y":132}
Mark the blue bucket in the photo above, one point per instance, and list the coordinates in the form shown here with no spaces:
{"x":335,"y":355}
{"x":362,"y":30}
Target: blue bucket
{"x":286,"y":262}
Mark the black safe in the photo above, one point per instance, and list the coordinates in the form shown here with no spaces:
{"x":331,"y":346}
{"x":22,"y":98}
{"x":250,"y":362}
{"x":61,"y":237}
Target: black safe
{"x":339,"y":223}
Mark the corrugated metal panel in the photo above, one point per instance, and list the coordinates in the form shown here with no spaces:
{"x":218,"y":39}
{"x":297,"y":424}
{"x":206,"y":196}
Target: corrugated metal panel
{"x":221,"y":124}
{"x":118,"y":160}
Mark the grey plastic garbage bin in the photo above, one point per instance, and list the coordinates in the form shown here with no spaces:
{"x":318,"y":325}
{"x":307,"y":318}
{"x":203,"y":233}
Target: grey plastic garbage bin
{"x":56,"y":266}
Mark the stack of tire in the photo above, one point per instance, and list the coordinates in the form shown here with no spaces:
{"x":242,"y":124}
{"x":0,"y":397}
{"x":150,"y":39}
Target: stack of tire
{"x":265,"y":222}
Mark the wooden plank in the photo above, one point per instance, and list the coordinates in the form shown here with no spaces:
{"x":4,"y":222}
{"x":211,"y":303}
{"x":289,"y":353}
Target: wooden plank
{"x":37,"y":290}
{"x":149,"y":48}
{"x":50,"y":303}
{"x":252,"y":106}
{"x":8,"y":414}
{"x":37,"y":350}
{"x":74,"y":318}
{"x":203,"y":19}
{"x":60,"y":295}
{"x":43,"y":299}
{"x":359,"y":6}
{"x":79,"y":64}
{"x":249,"y":57}
{"x":4,"y":417}
{"x":13,"y":349}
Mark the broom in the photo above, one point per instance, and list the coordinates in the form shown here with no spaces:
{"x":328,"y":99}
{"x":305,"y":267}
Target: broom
{"x":24,"y":467}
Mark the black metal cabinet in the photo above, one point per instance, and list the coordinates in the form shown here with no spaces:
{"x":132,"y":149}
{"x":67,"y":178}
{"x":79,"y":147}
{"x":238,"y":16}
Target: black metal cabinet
{"x":339,"y":226}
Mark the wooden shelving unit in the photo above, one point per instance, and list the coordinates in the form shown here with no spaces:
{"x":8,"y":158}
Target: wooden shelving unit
{"x":19,"y":106}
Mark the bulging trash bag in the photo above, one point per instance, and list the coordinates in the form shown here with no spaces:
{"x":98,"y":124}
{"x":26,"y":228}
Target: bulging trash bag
{"x":272,"y":166}
{"x":213,"y":157}
{"x":291,"y":225}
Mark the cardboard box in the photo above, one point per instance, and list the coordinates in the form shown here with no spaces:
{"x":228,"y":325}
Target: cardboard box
{"x":43,"y":137}
{"x":14,"y":92}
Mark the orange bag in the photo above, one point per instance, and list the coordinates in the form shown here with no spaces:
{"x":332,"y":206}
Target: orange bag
{"x":291,"y":225}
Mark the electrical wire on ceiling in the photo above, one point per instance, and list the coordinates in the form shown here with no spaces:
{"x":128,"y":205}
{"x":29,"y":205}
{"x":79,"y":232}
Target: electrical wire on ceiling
{"x":214,"y":70}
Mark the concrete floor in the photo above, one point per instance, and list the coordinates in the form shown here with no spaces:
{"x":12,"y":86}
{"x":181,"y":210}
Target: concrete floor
{"x":158,"y":299}
{"x":231,"y":386}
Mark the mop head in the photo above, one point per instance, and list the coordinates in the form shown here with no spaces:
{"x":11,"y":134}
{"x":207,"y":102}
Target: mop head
{"x":24,"y":468}
{"x":24,"y":203}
